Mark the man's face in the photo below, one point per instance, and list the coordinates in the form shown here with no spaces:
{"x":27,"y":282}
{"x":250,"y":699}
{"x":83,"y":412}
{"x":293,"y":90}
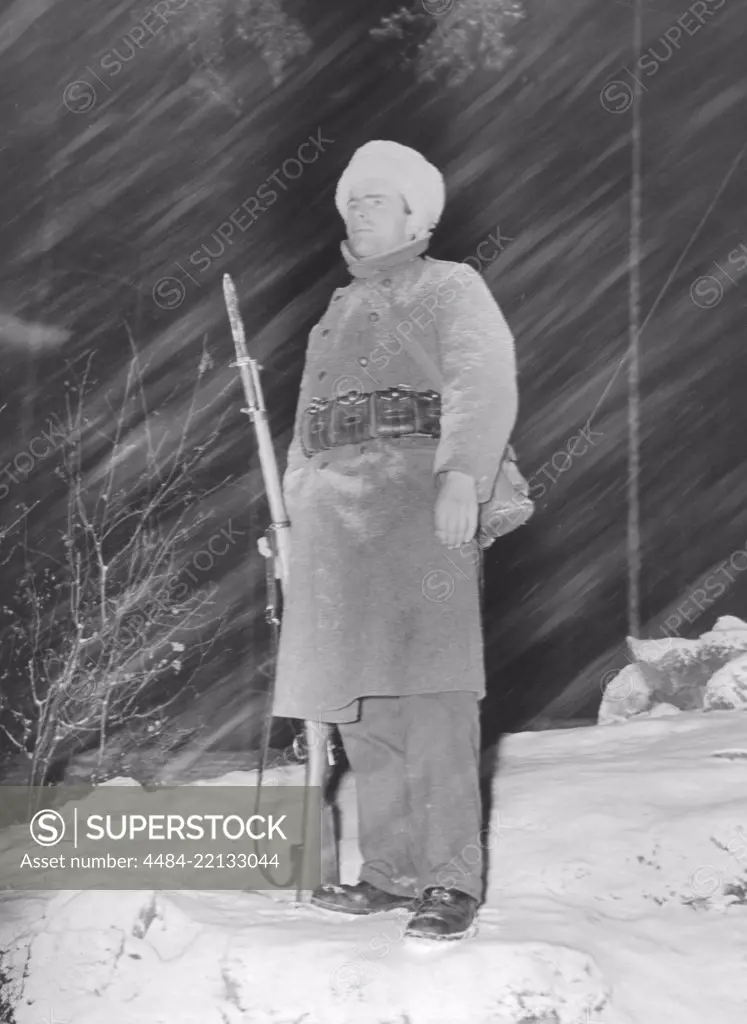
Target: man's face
{"x":376,"y":217}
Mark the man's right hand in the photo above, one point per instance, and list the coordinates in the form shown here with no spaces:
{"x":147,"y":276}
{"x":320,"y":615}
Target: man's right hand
{"x":457,"y":510}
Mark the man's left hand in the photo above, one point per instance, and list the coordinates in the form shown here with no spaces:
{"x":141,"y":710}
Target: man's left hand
{"x":456,"y":509}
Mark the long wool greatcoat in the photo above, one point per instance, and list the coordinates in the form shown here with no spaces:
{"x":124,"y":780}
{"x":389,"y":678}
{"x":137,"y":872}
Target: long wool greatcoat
{"x":374,"y":603}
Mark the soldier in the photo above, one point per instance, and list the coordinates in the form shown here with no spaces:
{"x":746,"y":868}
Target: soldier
{"x":407,"y":402}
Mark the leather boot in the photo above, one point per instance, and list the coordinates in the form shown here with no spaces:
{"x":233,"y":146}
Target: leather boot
{"x":362,"y":898}
{"x":443,"y":914}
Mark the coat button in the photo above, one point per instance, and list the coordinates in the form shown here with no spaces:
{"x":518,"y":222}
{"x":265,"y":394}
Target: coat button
{"x":325,"y":332}
{"x":387,"y":282}
{"x":362,"y":360}
{"x":374,"y":317}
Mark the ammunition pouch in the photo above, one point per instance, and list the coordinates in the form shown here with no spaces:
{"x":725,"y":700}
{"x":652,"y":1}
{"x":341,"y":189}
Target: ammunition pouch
{"x":361,"y":416}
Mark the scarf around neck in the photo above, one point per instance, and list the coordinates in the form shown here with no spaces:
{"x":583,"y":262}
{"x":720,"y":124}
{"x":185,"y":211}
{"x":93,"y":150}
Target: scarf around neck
{"x":369,"y":266}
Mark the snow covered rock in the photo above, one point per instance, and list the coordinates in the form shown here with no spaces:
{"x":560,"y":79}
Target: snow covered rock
{"x":727,"y":688}
{"x":727,"y":640}
{"x":725,"y":622}
{"x":671,"y":674}
{"x":667,"y":650}
{"x":227,"y":958}
{"x":626,"y":694}
{"x":674,"y":669}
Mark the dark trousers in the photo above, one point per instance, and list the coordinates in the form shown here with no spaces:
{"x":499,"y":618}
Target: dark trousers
{"x":416,"y":766}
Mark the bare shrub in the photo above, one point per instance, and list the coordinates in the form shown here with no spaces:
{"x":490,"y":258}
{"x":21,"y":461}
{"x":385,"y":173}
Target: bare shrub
{"x":105,"y":626}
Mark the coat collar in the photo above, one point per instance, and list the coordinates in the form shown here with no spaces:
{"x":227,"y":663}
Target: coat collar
{"x":370,"y":266}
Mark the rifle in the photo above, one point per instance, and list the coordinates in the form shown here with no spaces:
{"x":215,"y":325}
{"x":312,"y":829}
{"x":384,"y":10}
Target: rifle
{"x":276,"y":550}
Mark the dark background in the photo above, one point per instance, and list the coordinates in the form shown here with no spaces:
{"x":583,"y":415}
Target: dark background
{"x":98,"y":205}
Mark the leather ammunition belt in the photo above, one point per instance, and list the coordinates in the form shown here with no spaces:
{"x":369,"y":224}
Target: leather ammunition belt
{"x":362,"y":416}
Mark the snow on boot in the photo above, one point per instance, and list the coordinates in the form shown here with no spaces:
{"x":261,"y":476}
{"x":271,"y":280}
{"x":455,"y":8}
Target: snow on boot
{"x":362,"y":898}
{"x":443,"y":914}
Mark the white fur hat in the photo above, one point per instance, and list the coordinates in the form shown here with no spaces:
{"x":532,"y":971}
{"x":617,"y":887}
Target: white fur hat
{"x":419,"y":181}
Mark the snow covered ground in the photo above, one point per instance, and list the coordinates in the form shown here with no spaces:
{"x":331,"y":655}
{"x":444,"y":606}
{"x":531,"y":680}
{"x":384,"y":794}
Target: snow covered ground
{"x":618,"y":895}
